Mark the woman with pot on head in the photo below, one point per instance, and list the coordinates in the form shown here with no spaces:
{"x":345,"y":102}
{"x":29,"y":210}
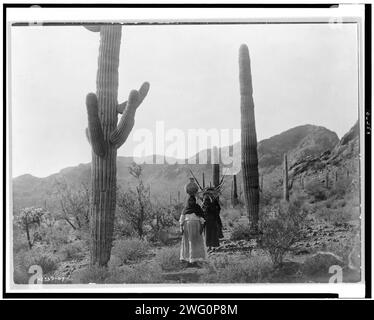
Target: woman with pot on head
{"x":192,"y":226}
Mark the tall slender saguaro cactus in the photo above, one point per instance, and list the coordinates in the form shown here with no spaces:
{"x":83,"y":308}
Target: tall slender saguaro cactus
{"x":105,"y":137}
{"x":249,"y":161}
{"x":234,"y":191}
{"x":215,"y":174}
{"x":203,"y":180}
{"x":286,"y":194}
{"x":215,"y":166}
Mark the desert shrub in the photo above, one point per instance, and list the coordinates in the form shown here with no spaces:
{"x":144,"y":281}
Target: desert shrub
{"x":29,"y":220}
{"x":20,"y":245}
{"x":71,"y":251}
{"x":339,"y":203}
{"x":319,"y":263}
{"x":341,"y":187}
{"x":58,"y":236}
{"x":227,"y":270}
{"x":48,"y":263}
{"x":123,"y":229}
{"x":74,"y":203}
{"x":163,"y":218}
{"x":23,"y":260}
{"x":20,"y":277}
{"x":231,"y":215}
{"x":316,"y":190}
{"x":130,"y":250}
{"x":282,"y":229}
{"x":168,"y":258}
{"x":269,"y":196}
{"x":134,"y":206}
{"x":339,"y":216}
{"x":241,"y":232}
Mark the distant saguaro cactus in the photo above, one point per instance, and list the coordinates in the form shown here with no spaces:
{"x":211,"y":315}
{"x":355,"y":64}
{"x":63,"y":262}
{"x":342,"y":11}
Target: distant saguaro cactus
{"x":215,"y":167}
{"x":286,"y":194}
{"x":234,"y":200}
{"x":249,"y":161}
{"x":105,"y":137}
{"x":203,"y":180}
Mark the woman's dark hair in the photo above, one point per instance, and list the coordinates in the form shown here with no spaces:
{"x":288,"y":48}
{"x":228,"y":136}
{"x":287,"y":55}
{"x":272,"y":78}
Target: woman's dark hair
{"x":191,"y":201}
{"x":192,"y":207}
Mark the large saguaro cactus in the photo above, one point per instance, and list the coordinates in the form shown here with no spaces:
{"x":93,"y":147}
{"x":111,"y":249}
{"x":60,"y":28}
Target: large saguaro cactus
{"x":249,"y":159}
{"x":105,"y":137}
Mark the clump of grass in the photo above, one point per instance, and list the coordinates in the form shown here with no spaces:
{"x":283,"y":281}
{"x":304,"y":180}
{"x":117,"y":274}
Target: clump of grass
{"x":130,"y":250}
{"x":241,"y":232}
{"x":251,"y":270}
{"x":72,"y":251}
{"x":169,"y":259}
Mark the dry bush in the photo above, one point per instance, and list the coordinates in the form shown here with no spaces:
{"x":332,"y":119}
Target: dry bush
{"x":169,"y":258}
{"x":23,"y":260}
{"x":231,"y":215}
{"x":282,"y":229}
{"x":130,"y":250}
{"x":316,"y":190}
{"x":73,"y":251}
{"x":241,"y":232}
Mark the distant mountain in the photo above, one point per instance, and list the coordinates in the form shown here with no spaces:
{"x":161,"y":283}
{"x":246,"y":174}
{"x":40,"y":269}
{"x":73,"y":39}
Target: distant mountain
{"x":341,"y":161}
{"x":302,"y":142}
{"x":298,"y":142}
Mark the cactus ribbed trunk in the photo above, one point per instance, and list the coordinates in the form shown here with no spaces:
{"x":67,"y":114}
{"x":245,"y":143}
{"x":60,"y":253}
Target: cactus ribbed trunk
{"x":327,"y":180}
{"x":105,"y":137}
{"x":286,"y":194}
{"x":249,"y":161}
{"x":103,"y":168}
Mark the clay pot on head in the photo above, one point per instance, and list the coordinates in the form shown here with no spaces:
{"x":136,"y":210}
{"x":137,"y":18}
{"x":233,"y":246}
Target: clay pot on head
{"x":191,"y":188}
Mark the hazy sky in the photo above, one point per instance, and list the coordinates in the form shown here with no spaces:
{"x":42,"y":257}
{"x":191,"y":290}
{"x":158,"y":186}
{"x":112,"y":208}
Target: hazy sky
{"x":301,"y":74}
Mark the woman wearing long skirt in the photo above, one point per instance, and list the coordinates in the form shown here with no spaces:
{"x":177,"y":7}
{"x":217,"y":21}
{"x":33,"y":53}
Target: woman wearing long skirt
{"x":191,"y":224}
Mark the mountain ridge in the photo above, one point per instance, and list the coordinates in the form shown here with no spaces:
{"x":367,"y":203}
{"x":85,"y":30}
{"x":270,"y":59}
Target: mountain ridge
{"x":166,"y":179}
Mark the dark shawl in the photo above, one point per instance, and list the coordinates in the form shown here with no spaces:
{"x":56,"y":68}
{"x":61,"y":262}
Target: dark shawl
{"x":193,"y":208}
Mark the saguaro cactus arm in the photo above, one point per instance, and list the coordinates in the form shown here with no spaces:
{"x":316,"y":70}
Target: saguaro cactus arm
{"x":142,"y":94}
{"x":121,"y":133}
{"x":95,"y":132}
{"x":93,"y":27}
